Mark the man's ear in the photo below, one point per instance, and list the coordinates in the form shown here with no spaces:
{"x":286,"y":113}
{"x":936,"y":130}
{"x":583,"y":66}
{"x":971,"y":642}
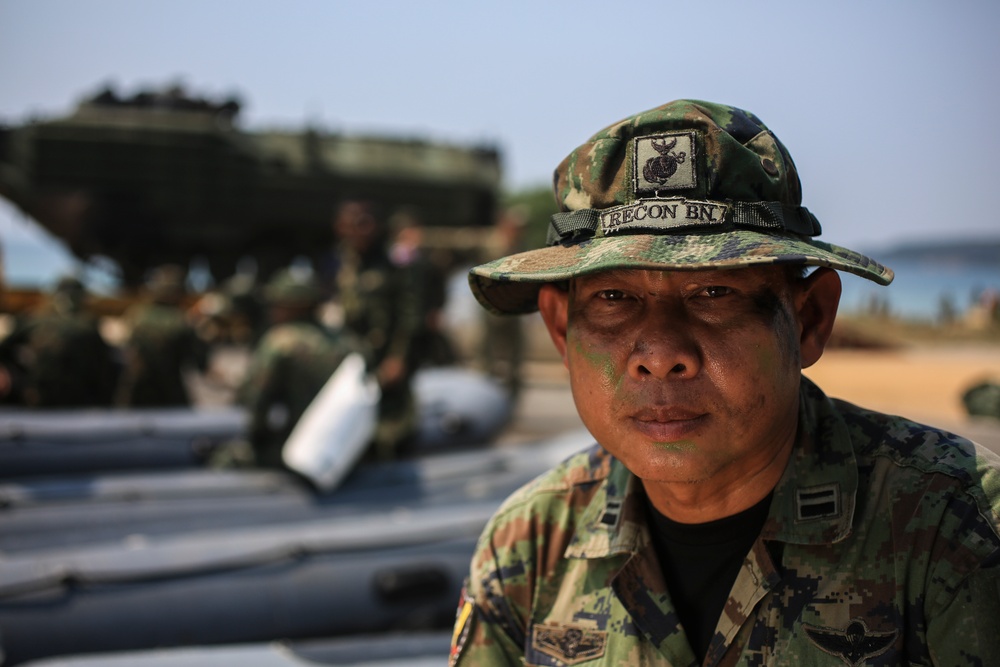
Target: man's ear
{"x":553,"y":304}
{"x":817,"y":308}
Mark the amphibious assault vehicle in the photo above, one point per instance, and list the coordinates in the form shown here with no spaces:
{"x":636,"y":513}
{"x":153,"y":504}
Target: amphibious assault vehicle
{"x":163,"y":177}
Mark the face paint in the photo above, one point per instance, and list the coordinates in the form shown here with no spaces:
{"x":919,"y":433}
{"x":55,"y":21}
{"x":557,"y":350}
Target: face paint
{"x":599,"y":361}
{"x":685,"y":376}
{"x":682,"y":446}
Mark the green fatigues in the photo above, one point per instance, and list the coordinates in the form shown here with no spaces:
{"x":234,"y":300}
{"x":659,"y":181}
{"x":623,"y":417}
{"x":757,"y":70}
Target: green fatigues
{"x":882,"y":546}
{"x":431,"y":345}
{"x":161,"y":344}
{"x":287,"y":370}
{"x":66,"y":361}
{"x":501,"y":349}
{"x":383,"y":309}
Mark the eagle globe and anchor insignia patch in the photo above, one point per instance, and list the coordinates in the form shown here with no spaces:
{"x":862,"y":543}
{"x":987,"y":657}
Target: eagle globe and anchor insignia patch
{"x":569,"y":644}
{"x":854,"y":644}
{"x":664,"y":162}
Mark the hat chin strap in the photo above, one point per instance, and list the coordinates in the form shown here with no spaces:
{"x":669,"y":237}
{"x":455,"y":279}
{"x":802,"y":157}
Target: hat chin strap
{"x":680,"y":215}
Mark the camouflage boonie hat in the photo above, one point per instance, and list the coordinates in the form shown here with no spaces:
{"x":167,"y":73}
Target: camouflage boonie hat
{"x":688,"y":185}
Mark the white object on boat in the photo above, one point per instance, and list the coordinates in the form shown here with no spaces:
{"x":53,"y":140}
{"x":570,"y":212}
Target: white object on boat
{"x":335,"y":429}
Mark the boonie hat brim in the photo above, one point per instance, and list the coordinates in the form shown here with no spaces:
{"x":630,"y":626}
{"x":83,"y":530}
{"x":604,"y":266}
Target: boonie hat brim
{"x":510,"y":285}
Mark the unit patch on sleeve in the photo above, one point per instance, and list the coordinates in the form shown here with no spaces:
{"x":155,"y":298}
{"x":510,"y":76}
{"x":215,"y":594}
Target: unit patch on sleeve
{"x":463,"y":623}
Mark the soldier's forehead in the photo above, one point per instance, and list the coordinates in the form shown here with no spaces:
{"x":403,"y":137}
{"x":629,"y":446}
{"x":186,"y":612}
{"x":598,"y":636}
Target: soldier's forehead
{"x":700,"y":275}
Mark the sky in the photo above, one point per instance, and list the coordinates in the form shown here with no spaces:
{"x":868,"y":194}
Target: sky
{"x":888,"y":107}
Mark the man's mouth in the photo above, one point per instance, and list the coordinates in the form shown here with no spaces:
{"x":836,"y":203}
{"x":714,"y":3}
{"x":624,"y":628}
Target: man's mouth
{"x":668,"y":424}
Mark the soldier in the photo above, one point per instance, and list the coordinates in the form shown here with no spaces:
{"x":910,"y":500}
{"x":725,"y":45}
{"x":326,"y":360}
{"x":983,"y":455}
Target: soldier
{"x":730,"y":512}
{"x":245,"y":312}
{"x":383,"y":309}
{"x":162,"y":344}
{"x":409,"y":254}
{"x":501,"y":350}
{"x":57,"y":358}
{"x":231,"y":313}
{"x":289,"y":366}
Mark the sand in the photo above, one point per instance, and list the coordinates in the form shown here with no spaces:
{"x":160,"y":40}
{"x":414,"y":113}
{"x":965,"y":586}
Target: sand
{"x":924,"y":382}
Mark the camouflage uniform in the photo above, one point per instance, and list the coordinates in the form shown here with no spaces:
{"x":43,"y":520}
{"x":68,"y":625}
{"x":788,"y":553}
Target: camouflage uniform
{"x":289,"y":366}
{"x":383,"y":309}
{"x":65,"y":360}
{"x":882,"y":542}
{"x":882,"y":545}
{"x":501,"y":349}
{"x":161,"y":344}
{"x":427,"y":285}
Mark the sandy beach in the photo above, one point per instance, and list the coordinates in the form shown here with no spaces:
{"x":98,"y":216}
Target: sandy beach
{"x":923,"y":382}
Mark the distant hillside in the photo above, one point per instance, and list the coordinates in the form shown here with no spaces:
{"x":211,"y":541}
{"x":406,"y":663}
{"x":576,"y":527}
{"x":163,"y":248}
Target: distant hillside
{"x":965,"y":251}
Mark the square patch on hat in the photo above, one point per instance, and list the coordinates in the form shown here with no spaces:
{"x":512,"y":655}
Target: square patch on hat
{"x":664,"y":162}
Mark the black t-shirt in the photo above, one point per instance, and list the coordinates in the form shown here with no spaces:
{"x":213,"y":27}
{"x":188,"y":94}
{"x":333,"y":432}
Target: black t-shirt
{"x":700,"y":562}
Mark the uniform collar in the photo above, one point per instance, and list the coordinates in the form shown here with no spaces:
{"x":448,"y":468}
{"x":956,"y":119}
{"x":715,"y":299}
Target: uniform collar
{"x":813,"y":502}
{"x":815,"y":499}
{"x":615,"y":522}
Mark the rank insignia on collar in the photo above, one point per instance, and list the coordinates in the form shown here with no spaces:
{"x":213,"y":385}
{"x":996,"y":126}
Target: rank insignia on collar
{"x":853,"y":645}
{"x":570,"y":644}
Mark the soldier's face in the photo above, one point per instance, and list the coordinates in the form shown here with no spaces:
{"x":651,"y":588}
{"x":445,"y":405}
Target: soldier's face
{"x":690,"y":376}
{"x":358,"y":226}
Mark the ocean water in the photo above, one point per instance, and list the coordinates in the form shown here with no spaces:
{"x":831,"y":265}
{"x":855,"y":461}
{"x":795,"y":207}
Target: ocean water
{"x":920,"y":290}
{"x":917,"y":293}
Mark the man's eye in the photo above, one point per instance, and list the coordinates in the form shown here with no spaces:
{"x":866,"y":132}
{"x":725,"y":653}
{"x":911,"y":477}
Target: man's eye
{"x":611,"y":294}
{"x":715,"y":291}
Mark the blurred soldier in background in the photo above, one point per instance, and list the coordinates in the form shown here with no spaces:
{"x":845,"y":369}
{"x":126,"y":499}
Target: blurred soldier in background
{"x":501,"y":350}
{"x":247,"y":319}
{"x":231,"y":313}
{"x":291,"y":363}
{"x":57,"y":357}
{"x":382,"y":307}
{"x":162,"y":344}
{"x":409,"y":254}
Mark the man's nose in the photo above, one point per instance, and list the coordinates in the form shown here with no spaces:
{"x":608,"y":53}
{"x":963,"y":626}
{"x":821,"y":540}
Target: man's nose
{"x":664,"y":348}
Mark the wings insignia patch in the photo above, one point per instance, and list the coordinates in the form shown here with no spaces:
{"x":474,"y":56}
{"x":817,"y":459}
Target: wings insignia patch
{"x":853,"y":645}
{"x":570,"y":644}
